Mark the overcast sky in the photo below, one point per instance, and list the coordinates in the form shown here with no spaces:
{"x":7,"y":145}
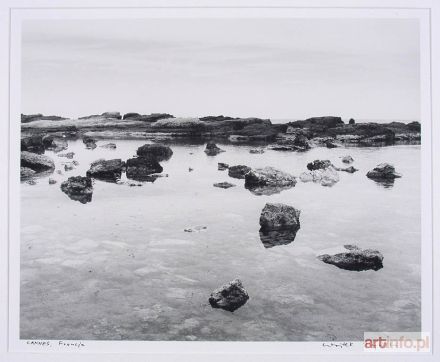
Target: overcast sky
{"x":272,"y":68}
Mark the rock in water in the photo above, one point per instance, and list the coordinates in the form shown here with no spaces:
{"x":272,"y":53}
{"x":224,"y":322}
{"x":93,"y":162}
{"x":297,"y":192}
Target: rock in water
{"x":222,"y":166}
{"x":33,"y":144}
{"x":110,"y":146}
{"x":90,"y":143}
{"x":36,"y":162}
{"x":347,"y":159}
{"x":142,"y":168}
{"x":238,"y":171}
{"x":230,"y":296}
{"x":319,"y":165}
{"x":109,"y":170}
{"x":78,"y":188}
{"x":69,"y":155}
{"x":384,"y":171}
{"x":224,"y":185}
{"x":326,"y":177}
{"x":268,"y":181}
{"x":279,"y":224}
{"x":355,"y":259}
{"x":158,"y":151}
{"x":212,"y":149}
{"x":26,"y":173}
{"x":52,"y":181}
{"x":256,"y":150}
{"x":195,"y":229}
{"x":350,"y":169}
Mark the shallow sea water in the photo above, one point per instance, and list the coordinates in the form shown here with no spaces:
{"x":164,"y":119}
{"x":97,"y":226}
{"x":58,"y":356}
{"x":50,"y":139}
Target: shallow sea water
{"x":122,"y":268}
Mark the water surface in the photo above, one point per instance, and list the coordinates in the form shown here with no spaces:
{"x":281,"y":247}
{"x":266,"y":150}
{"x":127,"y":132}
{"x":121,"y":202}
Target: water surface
{"x":122,"y":268}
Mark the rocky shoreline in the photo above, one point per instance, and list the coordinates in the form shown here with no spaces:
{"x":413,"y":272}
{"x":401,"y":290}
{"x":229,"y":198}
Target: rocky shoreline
{"x":297,"y":135}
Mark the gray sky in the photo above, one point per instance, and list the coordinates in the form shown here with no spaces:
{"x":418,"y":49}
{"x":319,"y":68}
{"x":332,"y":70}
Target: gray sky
{"x":272,"y":68}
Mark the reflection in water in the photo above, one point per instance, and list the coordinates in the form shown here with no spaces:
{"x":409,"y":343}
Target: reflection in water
{"x":82,"y":198}
{"x":277,"y":237}
{"x":267,"y":190}
{"x":385,"y":183}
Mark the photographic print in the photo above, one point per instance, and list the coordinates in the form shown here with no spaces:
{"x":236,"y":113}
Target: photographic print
{"x":220,"y":179}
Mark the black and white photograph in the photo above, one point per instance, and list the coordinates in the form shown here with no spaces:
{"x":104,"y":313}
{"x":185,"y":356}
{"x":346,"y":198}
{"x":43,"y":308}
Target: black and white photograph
{"x":221,"y":179}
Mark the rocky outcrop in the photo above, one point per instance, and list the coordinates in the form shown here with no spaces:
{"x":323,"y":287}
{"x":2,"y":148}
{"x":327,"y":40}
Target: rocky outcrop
{"x":33,"y":144}
{"x":222,"y":166}
{"x":296,"y":142}
{"x":90,"y":143}
{"x":107,"y":170}
{"x":319,"y":165}
{"x":355,"y":259}
{"x":279,"y":224}
{"x":230,"y":296}
{"x":351,"y":121}
{"x":331,"y":144}
{"x":26,"y":118}
{"x":224,"y":185}
{"x":26,"y":173}
{"x":216,"y":118}
{"x":268,"y":181}
{"x":212,"y":149}
{"x":153,"y":117}
{"x":383,"y":171}
{"x":115,"y":115}
{"x":36,"y":162}
{"x":142,"y":168}
{"x":238,"y":171}
{"x":78,"y":188}
{"x":58,"y":145}
{"x":157,"y":151}
{"x":347,"y":159}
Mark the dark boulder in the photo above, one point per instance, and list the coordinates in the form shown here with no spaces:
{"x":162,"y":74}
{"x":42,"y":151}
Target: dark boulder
{"x":355,"y":259}
{"x":78,"y":188}
{"x":383,"y":171}
{"x":349,"y":169}
{"x":414,"y":126}
{"x":230,"y":296}
{"x":347,"y":159}
{"x":142,"y":168}
{"x":268,"y":181}
{"x":279,"y":224}
{"x":224,"y":185}
{"x":319,"y":165}
{"x":157,"y":151}
{"x":58,"y":145}
{"x":33,"y":144}
{"x":351,"y":121}
{"x":222,"y":166}
{"x":89,"y":142}
{"x":238,"y":171}
{"x":108,"y":170}
{"x":36,"y":162}
{"x":26,"y":173}
{"x":212,"y":149}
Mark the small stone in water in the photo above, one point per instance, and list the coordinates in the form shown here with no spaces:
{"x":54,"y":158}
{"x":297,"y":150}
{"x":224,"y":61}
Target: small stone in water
{"x":195,"y":229}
